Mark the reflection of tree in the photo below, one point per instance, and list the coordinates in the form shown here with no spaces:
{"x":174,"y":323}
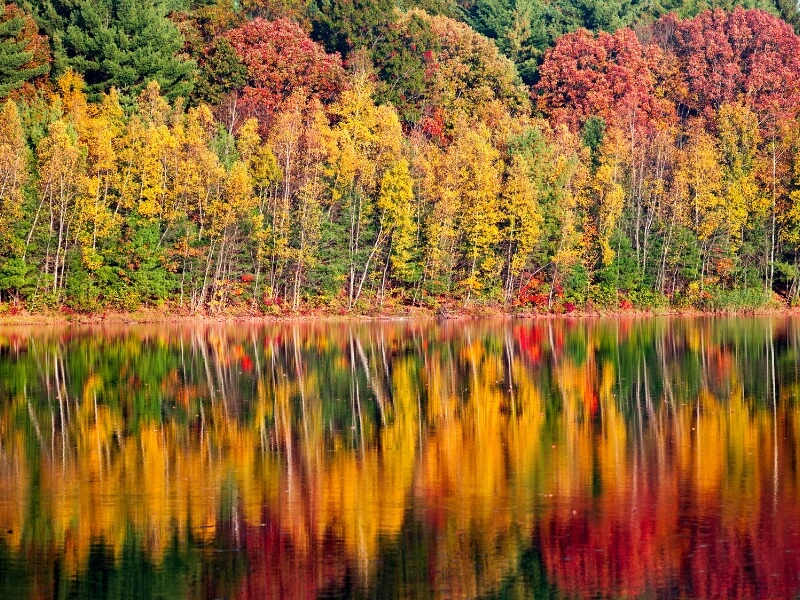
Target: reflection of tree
{"x":622,"y":457}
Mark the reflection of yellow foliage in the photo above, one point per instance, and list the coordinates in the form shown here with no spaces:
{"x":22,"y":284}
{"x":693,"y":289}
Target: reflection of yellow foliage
{"x":459,"y":433}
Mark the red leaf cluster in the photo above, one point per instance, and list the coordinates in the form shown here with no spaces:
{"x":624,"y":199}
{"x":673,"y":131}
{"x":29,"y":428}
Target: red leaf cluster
{"x":683,"y":67}
{"x":612,"y":76}
{"x":280,"y":59}
{"x":747,"y":55}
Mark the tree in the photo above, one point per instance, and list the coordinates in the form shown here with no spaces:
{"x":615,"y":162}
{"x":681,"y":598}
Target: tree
{"x":281,"y":60}
{"x":745,"y":55}
{"x":61,"y":179}
{"x":607,"y":193}
{"x":13,"y":176}
{"x":297,"y":196}
{"x":363,"y":144}
{"x":518,"y":27}
{"x":700,"y":181}
{"x":468,"y":75}
{"x":347,"y":25}
{"x":478,"y":182}
{"x":396,"y":206}
{"x":611,"y":76}
{"x":297,"y":10}
{"x":117,"y":43}
{"x":747,"y":204}
{"x":403,"y":57}
{"x":13,"y":167}
{"x":24,"y":54}
{"x":521,"y":216}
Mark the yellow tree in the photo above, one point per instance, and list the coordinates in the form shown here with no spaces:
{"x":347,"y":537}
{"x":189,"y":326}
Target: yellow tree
{"x":13,"y":172}
{"x":264,"y":172}
{"x":478,"y":170}
{"x":198,"y":173}
{"x":606,"y":193}
{"x":364,"y":142}
{"x":13,"y":176}
{"x":523,"y":219}
{"x":568,"y":178}
{"x":307,"y":217}
{"x":61,"y":180}
{"x":227,"y":214}
{"x":99,"y":129}
{"x":198,"y":178}
{"x":286,"y":140}
{"x":699,"y":180}
{"x":438,"y":197}
{"x":147,"y":159}
{"x":745,"y":201}
{"x":396,"y":206}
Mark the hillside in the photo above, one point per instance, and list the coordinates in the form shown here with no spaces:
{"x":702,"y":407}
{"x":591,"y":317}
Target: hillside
{"x":374,"y":156}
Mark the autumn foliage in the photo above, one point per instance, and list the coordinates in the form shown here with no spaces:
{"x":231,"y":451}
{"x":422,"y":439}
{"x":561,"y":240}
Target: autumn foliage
{"x":745,"y":56}
{"x":615,"y":474}
{"x":612,"y":76}
{"x":282,"y":60}
{"x":681,"y":67}
{"x":646,"y":166}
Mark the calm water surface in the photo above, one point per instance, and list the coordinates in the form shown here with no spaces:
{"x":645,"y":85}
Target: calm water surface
{"x":513,"y":459}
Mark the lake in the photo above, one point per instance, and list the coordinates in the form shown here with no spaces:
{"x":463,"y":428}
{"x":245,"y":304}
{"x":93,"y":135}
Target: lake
{"x":406,"y":459}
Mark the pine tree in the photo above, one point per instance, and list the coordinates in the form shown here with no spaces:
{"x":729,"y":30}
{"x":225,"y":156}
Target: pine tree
{"x":117,"y":43}
{"x":519,"y":28}
{"x":16,"y":61}
{"x":347,"y":25}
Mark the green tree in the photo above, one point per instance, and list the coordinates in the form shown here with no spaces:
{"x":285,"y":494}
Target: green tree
{"x":518,"y":27}
{"x":403,"y":57}
{"x":17,"y":58}
{"x":347,"y":25}
{"x":117,"y":43}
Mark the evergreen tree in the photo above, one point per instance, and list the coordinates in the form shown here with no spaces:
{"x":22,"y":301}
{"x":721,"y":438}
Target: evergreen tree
{"x":346,"y":25}
{"x":522,"y":29}
{"x":16,"y":61}
{"x":117,"y":43}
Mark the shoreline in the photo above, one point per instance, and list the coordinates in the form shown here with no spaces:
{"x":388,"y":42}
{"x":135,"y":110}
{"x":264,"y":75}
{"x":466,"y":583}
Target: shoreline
{"x":156,"y":316}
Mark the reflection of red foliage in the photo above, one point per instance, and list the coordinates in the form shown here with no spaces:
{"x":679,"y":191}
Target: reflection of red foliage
{"x":666,"y":536}
{"x":592,"y":400}
{"x":616,"y":543}
{"x":529,"y":342}
{"x":247,"y":364}
{"x":279,"y":570}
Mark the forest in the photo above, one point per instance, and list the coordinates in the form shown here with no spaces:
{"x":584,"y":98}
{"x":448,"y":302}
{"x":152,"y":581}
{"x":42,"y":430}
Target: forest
{"x":387,"y":156}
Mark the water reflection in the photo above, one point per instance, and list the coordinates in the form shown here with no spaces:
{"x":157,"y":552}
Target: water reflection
{"x":402,"y":459}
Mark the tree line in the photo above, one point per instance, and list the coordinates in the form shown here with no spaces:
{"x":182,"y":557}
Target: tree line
{"x":366,"y":156}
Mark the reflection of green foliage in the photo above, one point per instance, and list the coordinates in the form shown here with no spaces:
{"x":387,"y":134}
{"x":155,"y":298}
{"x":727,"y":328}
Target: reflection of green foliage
{"x":656,"y":364}
{"x":130,"y":375}
{"x":528,"y":580}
